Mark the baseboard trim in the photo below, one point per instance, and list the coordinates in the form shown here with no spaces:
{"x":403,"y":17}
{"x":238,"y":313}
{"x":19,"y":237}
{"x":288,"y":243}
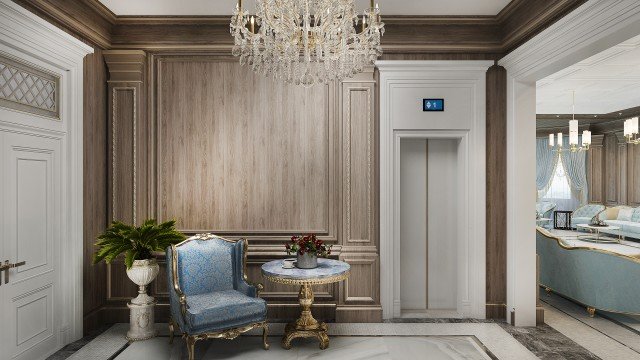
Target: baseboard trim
{"x":496,"y":311}
{"x":359,"y":314}
{"x":539,"y":315}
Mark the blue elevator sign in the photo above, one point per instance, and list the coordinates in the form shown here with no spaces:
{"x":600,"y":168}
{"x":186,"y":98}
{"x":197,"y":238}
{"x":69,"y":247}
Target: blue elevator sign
{"x":432,"y":104}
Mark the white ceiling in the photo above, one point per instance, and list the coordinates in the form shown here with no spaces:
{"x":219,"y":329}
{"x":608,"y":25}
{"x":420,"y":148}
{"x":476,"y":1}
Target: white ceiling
{"x":225,"y":7}
{"x":604,"y":83}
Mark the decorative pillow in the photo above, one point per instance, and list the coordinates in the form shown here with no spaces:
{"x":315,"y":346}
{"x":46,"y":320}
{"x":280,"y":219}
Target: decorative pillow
{"x":636,"y":215}
{"x":625,"y":214}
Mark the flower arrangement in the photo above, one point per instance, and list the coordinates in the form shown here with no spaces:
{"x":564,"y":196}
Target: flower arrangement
{"x":308,"y":244}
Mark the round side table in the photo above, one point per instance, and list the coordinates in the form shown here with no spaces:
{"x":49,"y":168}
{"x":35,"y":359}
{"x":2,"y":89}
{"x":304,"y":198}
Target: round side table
{"x":328,"y":271}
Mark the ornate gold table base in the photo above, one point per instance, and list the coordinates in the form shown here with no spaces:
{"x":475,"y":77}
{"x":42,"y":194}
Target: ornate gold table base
{"x":305,"y":326}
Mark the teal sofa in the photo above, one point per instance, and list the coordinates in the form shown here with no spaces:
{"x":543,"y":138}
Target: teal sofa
{"x":585,"y":213}
{"x":628,"y":228}
{"x":596,"y":278}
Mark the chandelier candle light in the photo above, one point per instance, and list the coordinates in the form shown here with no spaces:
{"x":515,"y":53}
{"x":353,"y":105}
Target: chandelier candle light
{"x":631,"y":131}
{"x":305,"y":42}
{"x":573,"y":135}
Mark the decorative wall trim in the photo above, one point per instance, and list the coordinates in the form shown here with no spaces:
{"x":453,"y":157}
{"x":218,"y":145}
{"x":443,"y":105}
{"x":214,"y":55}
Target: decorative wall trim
{"x":24,"y":87}
{"x":347,"y":162}
{"x":114,"y":146}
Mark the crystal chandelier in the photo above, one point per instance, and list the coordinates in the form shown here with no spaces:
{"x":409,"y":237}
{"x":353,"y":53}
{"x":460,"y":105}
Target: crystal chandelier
{"x":307,"y":41}
{"x":573,"y":135}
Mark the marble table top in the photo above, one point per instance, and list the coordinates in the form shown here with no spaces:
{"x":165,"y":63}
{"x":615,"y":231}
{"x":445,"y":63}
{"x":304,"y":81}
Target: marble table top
{"x":327,"y":269}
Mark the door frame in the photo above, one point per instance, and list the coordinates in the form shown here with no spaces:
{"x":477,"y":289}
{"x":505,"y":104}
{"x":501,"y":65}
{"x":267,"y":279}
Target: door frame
{"x":590,"y":29}
{"x":471,"y":75}
{"x":25,"y":36}
{"x":468,"y":263}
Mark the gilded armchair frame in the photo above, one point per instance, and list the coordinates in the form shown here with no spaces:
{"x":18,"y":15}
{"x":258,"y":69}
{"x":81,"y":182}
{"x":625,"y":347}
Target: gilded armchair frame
{"x":228,"y":334}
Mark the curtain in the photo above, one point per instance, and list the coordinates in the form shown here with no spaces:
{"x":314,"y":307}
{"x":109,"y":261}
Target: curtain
{"x":574,"y":164}
{"x":546,"y":161}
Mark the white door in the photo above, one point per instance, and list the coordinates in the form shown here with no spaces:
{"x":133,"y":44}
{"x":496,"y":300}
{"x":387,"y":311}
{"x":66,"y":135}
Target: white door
{"x":30,"y":297}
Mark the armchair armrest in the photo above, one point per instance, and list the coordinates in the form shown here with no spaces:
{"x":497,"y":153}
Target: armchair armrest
{"x":248,"y":288}
{"x":177,"y":293}
{"x":242,"y":283}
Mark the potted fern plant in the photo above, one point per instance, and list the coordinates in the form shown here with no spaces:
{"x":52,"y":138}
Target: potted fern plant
{"x":138,"y":243}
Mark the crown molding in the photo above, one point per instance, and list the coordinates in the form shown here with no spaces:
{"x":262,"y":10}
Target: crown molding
{"x":590,"y":21}
{"x":88,"y":20}
{"x":485,"y":36}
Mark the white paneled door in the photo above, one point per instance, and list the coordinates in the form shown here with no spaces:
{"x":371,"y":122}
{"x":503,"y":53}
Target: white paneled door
{"x":41,"y":244}
{"x":30,"y":245}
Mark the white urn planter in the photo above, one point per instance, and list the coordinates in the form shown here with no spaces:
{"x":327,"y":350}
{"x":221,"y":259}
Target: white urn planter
{"x":142,"y":320}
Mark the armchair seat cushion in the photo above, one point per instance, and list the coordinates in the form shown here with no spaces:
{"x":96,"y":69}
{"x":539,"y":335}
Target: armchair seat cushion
{"x":222,"y":310}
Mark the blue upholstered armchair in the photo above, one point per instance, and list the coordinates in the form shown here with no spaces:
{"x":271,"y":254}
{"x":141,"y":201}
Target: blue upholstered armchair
{"x":209,"y":293}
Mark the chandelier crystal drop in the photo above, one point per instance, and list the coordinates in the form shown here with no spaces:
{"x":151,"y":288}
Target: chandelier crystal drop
{"x":305,"y":42}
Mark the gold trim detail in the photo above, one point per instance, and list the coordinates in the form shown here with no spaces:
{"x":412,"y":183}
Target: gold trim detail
{"x":550,"y":290}
{"x":306,"y":325}
{"x":227,"y":334}
{"x":322,"y":281}
{"x":561,"y":243}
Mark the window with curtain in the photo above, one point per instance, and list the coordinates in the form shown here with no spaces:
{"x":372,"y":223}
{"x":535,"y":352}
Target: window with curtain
{"x":559,"y":185}
{"x":559,"y":191}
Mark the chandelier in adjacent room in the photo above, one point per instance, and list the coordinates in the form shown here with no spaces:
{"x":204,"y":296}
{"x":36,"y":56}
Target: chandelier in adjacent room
{"x":307,"y":41}
{"x":573,"y":134}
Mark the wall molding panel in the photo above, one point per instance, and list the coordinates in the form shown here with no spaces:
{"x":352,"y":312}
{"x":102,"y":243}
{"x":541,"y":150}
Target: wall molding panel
{"x":240,"y":155}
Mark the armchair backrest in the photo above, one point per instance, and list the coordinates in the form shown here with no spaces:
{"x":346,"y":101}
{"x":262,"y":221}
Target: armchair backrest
{"x":545,"y":208}
{"x":206,"y":263}
{"x":589,"y":210}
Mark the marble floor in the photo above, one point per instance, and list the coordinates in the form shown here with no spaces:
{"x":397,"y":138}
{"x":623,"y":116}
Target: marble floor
{"x":342,"y":347}
{"x":569,"y":333}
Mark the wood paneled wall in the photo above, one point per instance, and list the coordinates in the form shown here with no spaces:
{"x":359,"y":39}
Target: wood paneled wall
{"x":613,"y":171}
{"x":241,"y":155}
{"x":95,"y":183}
{"x":496,"y":252}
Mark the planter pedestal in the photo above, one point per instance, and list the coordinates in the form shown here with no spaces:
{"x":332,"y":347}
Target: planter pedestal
{"x":142,"y":321}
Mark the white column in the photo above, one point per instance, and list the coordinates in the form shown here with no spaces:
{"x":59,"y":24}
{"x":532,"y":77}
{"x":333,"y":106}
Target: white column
{"x":521,"y":186}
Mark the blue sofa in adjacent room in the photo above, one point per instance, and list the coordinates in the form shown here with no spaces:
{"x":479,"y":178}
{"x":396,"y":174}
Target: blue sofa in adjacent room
{"x":601,"y":277}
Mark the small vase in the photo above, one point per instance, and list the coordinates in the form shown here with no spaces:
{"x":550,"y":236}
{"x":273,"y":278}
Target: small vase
{"x":307,"y":261}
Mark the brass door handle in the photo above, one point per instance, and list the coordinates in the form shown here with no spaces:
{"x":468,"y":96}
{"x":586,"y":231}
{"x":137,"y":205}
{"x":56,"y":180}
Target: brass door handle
{"x":6,"y":266}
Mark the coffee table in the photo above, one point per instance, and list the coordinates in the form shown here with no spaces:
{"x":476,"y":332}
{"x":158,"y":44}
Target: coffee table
{"x":596,"y":230}
{"x":328,"y":271}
